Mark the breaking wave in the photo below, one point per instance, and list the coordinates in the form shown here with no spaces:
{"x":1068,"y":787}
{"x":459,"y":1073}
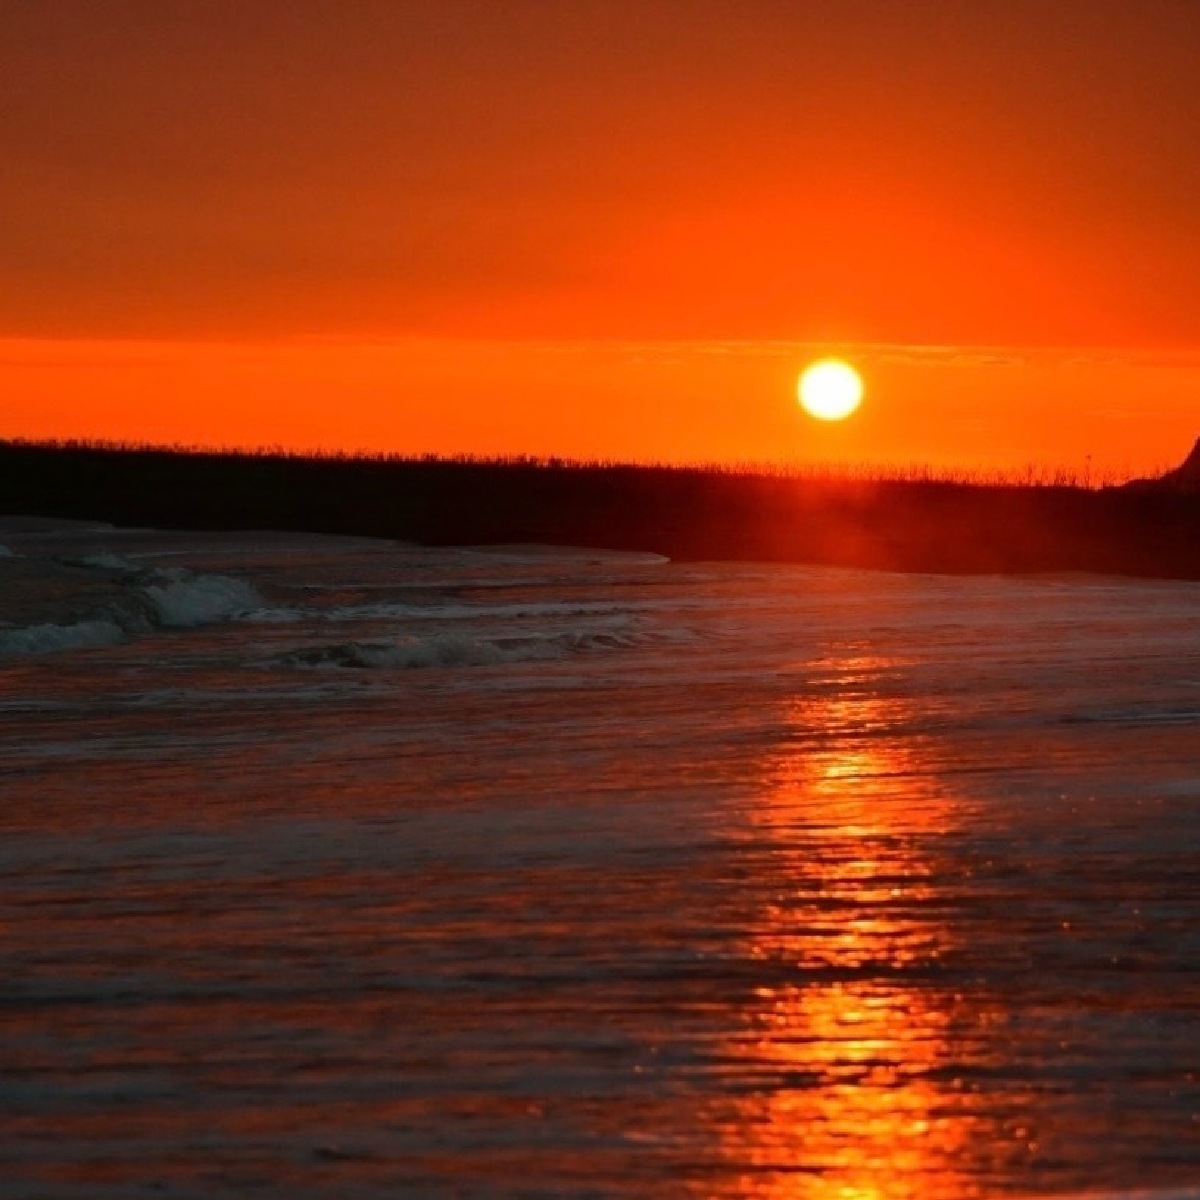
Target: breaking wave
{"x":46,"y":639}
{"x":454,"y":650}
{"x":183,"y":600}
{"x":174,"y":598}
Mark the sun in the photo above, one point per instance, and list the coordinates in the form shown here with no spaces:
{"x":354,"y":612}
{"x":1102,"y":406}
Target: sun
{"x":830,"y":389}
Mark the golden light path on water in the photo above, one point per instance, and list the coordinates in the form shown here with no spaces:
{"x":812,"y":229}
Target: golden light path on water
{"x":859,"y":1105}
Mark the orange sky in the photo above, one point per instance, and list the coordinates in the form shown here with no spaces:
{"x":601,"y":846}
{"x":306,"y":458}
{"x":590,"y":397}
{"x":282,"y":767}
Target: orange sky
{"x":608,"y":227}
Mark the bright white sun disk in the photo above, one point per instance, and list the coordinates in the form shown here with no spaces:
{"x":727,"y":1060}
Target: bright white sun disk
{"x":830,"y":389}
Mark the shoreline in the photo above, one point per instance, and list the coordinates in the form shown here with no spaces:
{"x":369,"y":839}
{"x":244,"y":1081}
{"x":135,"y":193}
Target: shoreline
{"x":688,"y":514}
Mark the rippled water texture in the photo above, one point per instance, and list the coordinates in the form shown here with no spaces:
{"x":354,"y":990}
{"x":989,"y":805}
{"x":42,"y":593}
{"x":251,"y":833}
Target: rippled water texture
{"x":532,"y":873}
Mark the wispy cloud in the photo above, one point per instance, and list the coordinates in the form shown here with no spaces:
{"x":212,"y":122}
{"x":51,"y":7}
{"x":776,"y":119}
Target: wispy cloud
{"x":893,"y":354}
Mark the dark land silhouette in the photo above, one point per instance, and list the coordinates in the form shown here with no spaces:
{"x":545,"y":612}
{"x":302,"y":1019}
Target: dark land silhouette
{"x":1146,"y":528}
{"x":1184,"y":478}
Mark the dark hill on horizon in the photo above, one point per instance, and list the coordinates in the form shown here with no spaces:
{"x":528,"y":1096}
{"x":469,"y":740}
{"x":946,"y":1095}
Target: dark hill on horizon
{"x":1148,"y":529}
{"x":1185,"y":477}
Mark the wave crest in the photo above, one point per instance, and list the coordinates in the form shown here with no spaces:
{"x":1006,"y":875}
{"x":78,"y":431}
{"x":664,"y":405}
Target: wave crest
{"x":453,"y":650}
{"x":48,"y":638}
{"x":183,"y":600}
{"x":174,"y":598}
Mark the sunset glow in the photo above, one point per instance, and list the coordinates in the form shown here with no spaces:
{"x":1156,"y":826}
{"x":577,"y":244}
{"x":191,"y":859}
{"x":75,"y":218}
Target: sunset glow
{"x":436,"y":228}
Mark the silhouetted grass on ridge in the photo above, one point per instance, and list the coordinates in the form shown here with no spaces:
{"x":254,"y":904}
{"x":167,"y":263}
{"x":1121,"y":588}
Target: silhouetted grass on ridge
{"x":1026,"y":475}
{"x":913,"y":519}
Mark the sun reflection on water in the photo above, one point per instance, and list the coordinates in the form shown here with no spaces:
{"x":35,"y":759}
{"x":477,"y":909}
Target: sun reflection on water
{"x":851,"y":1041}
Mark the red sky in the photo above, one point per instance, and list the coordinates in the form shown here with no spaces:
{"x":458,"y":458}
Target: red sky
{"x":605,"y":227}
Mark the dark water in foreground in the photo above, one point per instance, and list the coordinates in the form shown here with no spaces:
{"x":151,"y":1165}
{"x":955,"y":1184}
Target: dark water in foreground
{"x":540,"y":873}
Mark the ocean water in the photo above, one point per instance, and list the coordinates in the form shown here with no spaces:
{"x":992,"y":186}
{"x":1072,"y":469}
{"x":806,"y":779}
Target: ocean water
{"x":341,"y":868}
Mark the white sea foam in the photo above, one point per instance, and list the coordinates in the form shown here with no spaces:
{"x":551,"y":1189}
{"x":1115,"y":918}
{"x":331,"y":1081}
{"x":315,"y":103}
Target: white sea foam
{"x":46,"y":639}
{"x":182,"y":600}
{"x":5,"y":552}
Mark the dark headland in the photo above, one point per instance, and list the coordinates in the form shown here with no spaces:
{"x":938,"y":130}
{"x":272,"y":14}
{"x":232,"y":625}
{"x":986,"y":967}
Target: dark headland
{"x":1147,"y":528}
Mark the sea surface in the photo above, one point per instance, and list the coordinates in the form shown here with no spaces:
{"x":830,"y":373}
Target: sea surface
{"x":338,"y":868}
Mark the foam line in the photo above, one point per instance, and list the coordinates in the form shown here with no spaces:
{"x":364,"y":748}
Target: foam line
{"x":47,"y":639}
